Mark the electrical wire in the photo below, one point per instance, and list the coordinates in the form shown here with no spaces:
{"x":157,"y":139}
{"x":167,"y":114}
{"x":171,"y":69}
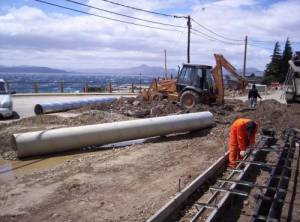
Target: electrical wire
{"x":202,"y":36}
{"x":143,"y":10}
{"x":107,"y":18}
{"x":211,"y":31}
{"x":270,"y":42}
{"x":215,"y":39}
{"x":127,"y":16}
{"x":261,"y":41}
{"x":262,"y":47}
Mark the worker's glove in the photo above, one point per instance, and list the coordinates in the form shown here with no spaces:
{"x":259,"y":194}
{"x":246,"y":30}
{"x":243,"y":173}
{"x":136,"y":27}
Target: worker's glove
{"x":242,"y":153}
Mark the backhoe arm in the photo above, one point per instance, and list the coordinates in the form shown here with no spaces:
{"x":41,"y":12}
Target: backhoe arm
{"x":230,"y":68}
{"x":218,"y":78}
{"x":221,"y":62}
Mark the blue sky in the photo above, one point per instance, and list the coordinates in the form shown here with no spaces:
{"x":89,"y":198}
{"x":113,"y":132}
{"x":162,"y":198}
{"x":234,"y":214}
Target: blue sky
{"x":32,"y":33}
{"x":7,"y":4}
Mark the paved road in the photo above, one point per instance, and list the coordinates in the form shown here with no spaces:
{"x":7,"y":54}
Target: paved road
{"x":24,"y":105}
{"x":277,"y":95}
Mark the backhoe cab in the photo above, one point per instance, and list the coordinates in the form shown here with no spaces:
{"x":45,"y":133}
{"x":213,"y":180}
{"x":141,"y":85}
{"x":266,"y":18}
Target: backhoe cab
{"x":195,"y":84}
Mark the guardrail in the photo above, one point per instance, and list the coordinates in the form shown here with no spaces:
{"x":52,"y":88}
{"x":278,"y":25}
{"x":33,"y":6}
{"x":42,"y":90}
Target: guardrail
{"x":71,"y":87}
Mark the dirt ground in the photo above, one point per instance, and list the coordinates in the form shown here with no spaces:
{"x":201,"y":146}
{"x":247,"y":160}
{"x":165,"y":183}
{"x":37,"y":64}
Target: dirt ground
{"x":122,"y":184}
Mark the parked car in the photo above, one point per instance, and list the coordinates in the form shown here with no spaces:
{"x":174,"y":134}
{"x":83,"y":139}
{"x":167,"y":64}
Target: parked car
{"x":6,"y":104}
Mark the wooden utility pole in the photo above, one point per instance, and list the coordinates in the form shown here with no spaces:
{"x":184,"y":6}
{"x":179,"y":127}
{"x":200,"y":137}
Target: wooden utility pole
{"x":166,"y":70}
{"x":245,"y":55}
{"x":189,"y":38}
{"x":110,"y":87}
{"x":140,"y":82}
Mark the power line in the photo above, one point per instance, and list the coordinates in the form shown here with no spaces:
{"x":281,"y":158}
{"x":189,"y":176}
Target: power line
{"x":261,"y":41}
{"x":127,"y":16}
{"x":202,"y":36}
{"x":215,"y":39}
{"x":103,"y":17}
{"x":271,"y":42}
{"x":211,"y":31}
{"x":262,"y":47}
{"x":143,"y":10}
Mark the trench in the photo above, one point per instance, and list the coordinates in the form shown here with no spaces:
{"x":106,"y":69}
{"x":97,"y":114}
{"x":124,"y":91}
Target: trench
{"x":254,"y":191}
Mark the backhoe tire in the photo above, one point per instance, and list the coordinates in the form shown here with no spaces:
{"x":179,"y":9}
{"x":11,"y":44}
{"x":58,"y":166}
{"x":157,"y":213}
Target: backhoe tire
{"x":189,"y":99}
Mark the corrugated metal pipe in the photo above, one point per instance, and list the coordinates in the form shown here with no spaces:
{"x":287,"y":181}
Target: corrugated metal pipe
{"x":44,"y":108}
{"x":64,"y":139}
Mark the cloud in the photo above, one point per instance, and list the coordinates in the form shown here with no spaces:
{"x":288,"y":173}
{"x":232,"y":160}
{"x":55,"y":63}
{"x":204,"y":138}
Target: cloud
{"x":31,"y":36}
{"x":234,"y":3}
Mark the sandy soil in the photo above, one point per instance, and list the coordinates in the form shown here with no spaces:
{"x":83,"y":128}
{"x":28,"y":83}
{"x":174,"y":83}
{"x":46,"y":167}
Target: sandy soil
{"x":124,"y":184}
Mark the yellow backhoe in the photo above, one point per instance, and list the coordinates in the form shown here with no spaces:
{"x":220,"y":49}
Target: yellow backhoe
{"x":195,"y":84}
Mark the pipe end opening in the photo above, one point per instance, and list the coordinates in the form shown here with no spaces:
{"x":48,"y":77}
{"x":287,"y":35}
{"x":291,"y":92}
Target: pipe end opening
{"x":13,"y":143}
{"x":38,"y":109}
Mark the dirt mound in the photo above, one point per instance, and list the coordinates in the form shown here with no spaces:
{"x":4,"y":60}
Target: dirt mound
{"x":271,"y":113}
{"x":138,"y":108}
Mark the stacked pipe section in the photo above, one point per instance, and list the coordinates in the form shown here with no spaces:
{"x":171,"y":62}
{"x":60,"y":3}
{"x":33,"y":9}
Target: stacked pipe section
{"x":44,"y":108}
{"x":71,"y":138}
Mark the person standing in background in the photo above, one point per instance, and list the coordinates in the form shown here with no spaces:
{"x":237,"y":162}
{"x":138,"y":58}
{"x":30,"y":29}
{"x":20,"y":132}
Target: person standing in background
{"x":252,"y":96}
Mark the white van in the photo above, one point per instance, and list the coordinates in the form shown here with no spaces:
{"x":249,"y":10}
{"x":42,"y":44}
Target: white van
{"x":6,"y":104}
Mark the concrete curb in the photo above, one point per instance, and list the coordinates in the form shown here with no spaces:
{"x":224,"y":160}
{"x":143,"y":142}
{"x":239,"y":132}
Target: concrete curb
{"x":166,"y":211}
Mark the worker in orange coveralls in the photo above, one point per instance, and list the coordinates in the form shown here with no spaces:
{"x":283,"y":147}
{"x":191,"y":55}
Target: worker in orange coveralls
{"x":242,"y":134}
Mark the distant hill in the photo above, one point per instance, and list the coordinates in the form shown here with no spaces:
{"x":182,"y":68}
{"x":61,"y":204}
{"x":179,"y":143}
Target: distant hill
{"x":249,"y":71}
{"x":143,"y":69}
{"x":29,"y":69}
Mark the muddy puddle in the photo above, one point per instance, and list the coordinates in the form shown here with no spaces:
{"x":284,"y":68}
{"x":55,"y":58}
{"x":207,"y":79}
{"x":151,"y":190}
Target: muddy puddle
{"x":9,"y":169}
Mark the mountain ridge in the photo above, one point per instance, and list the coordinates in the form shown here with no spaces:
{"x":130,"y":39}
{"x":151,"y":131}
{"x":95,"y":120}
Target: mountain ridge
{"x":142,"y":69}
{"x":30,"y":69}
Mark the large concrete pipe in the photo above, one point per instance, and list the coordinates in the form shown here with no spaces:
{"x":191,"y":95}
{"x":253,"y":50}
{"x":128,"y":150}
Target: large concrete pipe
{"x":63,"y":106}
{"x":63,"y":139}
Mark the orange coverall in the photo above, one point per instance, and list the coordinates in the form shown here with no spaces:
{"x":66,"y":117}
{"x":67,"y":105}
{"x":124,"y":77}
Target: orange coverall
{"x":239,"y":140}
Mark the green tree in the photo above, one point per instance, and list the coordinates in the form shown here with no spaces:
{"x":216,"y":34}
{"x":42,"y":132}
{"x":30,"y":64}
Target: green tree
{"x":273,"y":69}
{"x":286,"y":56}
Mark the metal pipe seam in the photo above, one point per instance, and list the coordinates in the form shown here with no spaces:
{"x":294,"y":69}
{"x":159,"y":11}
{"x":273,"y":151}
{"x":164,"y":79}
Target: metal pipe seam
{"x":44,"y":108}
{"x":71,"y":138}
